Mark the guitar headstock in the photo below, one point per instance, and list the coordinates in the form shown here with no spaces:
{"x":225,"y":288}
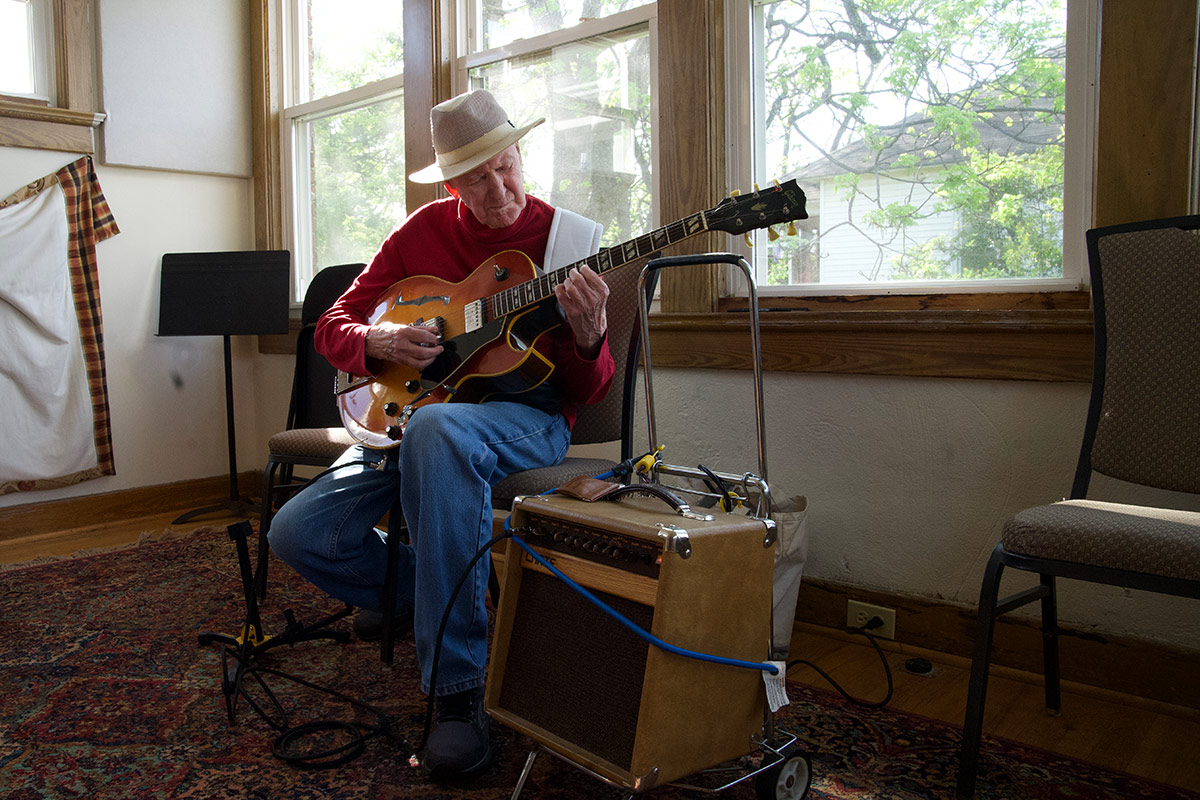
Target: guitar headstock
{"x":782,"y":202}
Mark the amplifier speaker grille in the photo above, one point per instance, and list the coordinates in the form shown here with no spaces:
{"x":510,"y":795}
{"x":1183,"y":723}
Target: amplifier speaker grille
{"x":558,"y":640}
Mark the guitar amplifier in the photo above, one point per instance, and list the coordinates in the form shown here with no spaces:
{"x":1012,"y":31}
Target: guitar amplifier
{"x":568,"y":675}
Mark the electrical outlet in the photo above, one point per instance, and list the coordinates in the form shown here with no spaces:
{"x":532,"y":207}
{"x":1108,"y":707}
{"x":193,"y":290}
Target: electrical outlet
{"x":859,"y":614}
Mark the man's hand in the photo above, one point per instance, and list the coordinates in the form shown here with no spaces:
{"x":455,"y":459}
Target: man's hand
{"x":411,"y":345}
{"x":583,"y":297}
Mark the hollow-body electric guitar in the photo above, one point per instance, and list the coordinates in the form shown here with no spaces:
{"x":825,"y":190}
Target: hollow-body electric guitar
{"x":490,"y":321}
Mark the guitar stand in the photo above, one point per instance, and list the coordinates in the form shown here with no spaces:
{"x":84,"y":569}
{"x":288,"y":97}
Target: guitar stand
{"x":251,"y":642}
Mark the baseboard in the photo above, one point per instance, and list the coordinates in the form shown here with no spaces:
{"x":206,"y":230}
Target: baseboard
{"x":1140,"y":667}
{"x":31,"y":519}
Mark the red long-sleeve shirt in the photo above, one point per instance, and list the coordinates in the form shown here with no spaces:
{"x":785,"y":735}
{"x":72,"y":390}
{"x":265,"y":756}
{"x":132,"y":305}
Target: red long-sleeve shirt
{"x":444,"y":240}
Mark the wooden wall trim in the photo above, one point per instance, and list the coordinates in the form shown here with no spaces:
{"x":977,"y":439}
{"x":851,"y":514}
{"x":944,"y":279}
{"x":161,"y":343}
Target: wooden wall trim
{"x":266,"y":89}
{"x":426,"y":83}
{"x":75,"y":54}
{"x":691,"y":138}
{"x":1146,"y":88}
{"x":36,"y":519}
{"x":997,"y":345}
{"x":1139,"y":667}
{"x":69,"y":127}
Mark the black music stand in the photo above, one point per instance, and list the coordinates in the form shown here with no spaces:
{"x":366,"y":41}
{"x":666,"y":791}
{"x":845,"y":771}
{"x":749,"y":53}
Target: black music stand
{"x":225,"y":294}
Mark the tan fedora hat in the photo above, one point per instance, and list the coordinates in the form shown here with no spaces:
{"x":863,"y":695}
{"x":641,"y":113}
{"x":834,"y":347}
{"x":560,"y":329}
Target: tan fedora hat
{"x":467,"y":131}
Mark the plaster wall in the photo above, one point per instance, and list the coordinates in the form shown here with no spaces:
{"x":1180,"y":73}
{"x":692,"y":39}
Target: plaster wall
{"x":910,"y":480}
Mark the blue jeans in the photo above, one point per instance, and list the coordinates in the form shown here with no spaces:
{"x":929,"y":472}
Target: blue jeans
{"x":444,"y":469}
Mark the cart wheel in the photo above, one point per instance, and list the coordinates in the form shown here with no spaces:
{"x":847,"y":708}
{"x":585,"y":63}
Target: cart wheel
{"x":787,"y":780}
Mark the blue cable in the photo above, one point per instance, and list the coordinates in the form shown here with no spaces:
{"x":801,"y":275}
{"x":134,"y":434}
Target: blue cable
{"x":654,"y":640}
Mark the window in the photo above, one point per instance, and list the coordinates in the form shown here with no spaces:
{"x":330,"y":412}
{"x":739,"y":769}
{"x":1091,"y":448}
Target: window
{"x":27,"y":50}
{"x":343,"y":131}
{"x":930,"y":139}
{"x":588,"y":69}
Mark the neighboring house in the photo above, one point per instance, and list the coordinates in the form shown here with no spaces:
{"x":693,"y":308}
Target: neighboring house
{"x":850,"y":249}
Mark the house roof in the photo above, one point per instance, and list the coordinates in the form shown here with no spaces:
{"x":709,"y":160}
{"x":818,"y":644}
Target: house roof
{"x":1004,"y":127}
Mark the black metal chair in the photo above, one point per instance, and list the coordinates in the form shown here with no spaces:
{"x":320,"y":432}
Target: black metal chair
{"x":1143,"y":427}
{"x":610,"y":420}
{"x":314,"y":435}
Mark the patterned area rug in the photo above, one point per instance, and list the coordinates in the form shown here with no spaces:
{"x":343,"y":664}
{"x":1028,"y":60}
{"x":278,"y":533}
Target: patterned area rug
{"x":107,"y":694}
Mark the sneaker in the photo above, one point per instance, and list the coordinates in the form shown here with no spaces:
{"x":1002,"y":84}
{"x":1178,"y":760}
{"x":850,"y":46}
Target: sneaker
{"x":368,"y":625}
{"x":459,"y":745}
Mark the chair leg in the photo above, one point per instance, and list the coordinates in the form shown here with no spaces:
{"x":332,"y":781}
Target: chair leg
{"x":391,"y":582}
{"x":1050,"y":646}
{"x":264,"y":525}
{"x":968,"y":762}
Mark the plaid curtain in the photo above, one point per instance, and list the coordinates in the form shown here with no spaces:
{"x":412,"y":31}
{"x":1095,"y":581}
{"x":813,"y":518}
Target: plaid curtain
{"x":89,"y":220}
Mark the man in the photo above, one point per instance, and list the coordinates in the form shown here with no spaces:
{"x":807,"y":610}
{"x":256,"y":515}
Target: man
{"x":451,"y":454}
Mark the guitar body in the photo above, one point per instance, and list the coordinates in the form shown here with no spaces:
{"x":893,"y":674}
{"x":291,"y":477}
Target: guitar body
{"x":478,"y":361}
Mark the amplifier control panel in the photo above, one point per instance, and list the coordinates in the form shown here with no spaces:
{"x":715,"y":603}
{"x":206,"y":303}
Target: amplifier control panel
{"x":603,"y":547}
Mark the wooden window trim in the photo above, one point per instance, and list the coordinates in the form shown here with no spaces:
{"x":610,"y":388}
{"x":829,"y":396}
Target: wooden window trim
{"x":1001,"y":336}
{"x":1028,"y":344}
{"x":70,"y":126}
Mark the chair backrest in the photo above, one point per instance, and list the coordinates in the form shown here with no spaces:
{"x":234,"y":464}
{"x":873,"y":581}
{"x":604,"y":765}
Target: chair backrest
{"x":325,"y":287}
{"x":312,"y":403}
{"x":612,"y":418}
{"x":1143,"y":421}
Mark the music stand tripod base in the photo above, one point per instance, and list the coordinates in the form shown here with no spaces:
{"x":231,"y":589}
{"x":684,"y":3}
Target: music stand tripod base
{"x":251,"y":643}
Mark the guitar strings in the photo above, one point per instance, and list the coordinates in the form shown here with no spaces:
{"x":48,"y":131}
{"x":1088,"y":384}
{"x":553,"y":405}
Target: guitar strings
{"x":508,"y":300}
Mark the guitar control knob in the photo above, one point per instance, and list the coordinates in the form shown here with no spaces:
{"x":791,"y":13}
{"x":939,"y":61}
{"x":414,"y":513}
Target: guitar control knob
{"x":391,"y":409}
{"x":411,"y":386}
{"x":394,"y":432}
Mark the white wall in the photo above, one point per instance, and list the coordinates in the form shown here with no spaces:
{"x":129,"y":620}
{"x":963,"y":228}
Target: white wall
{"x":166,"y":395}
{"x":909,"y":480}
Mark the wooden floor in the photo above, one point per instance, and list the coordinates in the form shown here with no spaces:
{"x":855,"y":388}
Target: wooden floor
{"x":1138,"y":736}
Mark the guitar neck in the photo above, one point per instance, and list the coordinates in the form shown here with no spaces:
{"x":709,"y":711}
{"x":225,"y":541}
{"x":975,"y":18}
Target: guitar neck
{"x":607,"y":259}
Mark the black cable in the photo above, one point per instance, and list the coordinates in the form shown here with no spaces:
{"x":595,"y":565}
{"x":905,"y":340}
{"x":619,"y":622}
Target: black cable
{"x":715,"y":484}
{"x":284,"y":746}
{"x":887,"y":670}
{"x":437,"y":648}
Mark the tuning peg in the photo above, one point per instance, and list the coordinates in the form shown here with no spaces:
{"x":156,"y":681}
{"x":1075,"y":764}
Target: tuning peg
{"x":756,"y":187}
{"x":735,"y":193}
{"x":791,"y":228}
{"x":771,"y":234}
{"x":749,"y":241}
{"x":777,"y":183}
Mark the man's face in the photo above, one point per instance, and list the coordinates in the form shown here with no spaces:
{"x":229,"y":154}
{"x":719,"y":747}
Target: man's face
{"x":494,"y":191}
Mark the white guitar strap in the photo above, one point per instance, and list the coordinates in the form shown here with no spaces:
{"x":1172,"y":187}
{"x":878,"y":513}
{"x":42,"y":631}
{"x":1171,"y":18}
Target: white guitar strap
{"x":572,"y":238}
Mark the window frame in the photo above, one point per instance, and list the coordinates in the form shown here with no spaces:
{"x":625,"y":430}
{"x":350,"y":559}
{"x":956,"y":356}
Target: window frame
{"x":465,"y":59}
{"x":1082,"y":38}
{"x":294,"y":114}
{"x":68,"y":125}
{"x":42,"y":36}
{"x":1143,"y":166}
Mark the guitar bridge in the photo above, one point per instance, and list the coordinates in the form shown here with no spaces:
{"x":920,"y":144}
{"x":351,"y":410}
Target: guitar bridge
{"x":474,"y":316}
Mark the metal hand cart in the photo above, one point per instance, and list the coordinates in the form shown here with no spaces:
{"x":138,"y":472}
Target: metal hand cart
{"x":774,"y":760}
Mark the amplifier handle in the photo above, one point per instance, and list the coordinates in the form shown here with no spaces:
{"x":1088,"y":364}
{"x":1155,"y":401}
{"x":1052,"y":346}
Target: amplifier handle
{"x":655,"y":490}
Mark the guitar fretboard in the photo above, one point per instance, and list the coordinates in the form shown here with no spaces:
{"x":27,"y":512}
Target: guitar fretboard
{"x":608,"y":258}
